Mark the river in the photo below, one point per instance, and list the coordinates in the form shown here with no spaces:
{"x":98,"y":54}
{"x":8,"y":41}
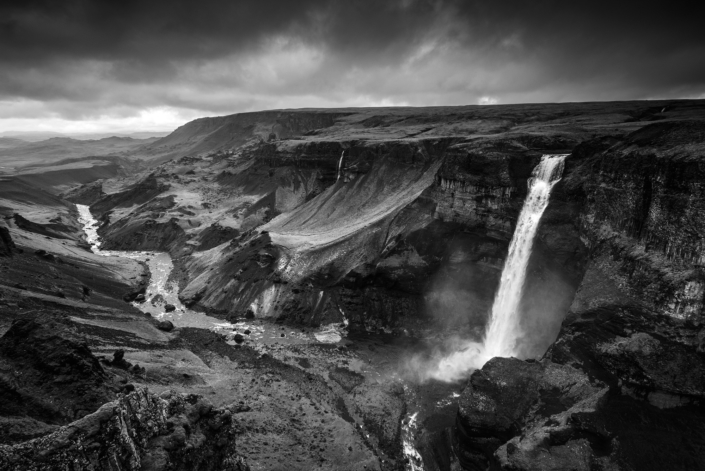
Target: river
{"x":161,"y":292}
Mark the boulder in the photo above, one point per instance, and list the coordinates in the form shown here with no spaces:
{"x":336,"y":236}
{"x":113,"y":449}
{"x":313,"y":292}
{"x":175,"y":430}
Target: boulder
{"x":169,"y":308}
{"x":119,"y":361}
{"x":166,"y":326}
{"x":132,"y":296}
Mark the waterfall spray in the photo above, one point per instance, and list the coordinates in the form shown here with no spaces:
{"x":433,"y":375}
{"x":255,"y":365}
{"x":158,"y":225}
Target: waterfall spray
{"x":504,"y":328}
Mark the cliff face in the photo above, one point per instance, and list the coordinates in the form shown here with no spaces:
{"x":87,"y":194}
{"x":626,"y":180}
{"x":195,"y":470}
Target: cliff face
{"x":382,"y":245}
{"x":642,"y":217}
{"x":627,"y":366}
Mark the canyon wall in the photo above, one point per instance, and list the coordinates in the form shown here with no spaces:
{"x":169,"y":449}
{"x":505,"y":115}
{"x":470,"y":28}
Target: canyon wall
{"x":628,"y":361}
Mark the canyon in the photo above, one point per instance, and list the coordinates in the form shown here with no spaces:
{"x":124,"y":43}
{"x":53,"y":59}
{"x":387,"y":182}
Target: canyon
{"x":276,"y":289}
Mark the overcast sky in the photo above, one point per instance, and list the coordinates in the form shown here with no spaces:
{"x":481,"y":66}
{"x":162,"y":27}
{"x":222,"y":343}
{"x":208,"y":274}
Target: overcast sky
{"x":133,"y":65}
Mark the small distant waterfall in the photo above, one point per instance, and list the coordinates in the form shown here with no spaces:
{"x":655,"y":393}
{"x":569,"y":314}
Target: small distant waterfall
{"x":340,"y":166}
{"x":504,"y":330}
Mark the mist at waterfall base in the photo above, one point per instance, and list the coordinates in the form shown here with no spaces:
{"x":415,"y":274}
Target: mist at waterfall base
{"x":525,"y":315}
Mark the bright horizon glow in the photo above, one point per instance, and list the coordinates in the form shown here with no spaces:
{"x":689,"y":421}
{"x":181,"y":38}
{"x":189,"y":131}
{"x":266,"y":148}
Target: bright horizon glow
{"x":156,"y":119}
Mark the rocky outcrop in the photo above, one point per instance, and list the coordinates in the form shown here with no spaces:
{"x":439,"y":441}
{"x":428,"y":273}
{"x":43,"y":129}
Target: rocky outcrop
{"x":86,"y":194}
{"x":139,"y":193}
{"x":7,"y":246}
{"x":620,"y":389}
{"x":214,"y":235}
{"x":47,"y":376}
{"x":144,"y":234}
{"x":139,"y":431}
{"x":56,"y":230}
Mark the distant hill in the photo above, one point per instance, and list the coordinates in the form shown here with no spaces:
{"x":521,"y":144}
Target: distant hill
{"x":32,"y":136}
{"x":223,"y":133}
{"x":14,"y":158}
{"x":11,"y":142}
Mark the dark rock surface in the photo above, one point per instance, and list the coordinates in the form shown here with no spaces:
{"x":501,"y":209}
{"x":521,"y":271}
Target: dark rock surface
{"x":166,"y":326}
{"x":139,"y":193}
{"x":138,"y":431}
{"x":54,"y":230}
{"x":48,"y":375}
{"x":87,"y":194}
{"x":641,"y":201}
{"x":7,"y":246}
{"x":620,"y":389}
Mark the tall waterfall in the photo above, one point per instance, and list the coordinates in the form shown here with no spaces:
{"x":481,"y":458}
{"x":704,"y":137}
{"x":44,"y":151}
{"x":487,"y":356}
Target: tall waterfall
{"x":504,"y":329}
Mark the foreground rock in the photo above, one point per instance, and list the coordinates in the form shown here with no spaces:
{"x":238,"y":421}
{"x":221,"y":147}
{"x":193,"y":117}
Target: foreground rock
{"x":166,"y":326}
{"x":620,"y":389}
{"x":48,"y":377}
{"x":7,"y":246}
{"x":139,"y":431}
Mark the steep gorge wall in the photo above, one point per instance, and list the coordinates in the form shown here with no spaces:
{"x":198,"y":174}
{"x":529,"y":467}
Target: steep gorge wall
{"x":414,"y":231}
{"x":642,"y":213}
{"x":622,"y":386}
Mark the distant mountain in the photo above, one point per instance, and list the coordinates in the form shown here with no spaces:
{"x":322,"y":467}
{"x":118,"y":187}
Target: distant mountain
{"x":32,"y":136}
{"x":11,"y":142}
{"x":132,"y":135}
{"x":49,"y":151}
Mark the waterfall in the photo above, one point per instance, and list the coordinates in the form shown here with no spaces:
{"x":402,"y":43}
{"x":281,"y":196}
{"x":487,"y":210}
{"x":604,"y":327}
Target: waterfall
{"x":504,"y":328}
{"x":340,"y":165}
{"x":504,"y":331}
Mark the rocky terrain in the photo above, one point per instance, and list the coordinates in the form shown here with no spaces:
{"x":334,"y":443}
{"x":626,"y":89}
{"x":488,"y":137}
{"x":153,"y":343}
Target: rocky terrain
{"x":322,"y":256}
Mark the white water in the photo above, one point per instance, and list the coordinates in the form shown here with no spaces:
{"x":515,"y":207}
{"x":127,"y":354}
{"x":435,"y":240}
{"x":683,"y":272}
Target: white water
{"x":409,"y":429}
{"x":340,"y":165}
{"x":161,"y":292}
{"x":504,"y":333}
{"x":504,"y":330}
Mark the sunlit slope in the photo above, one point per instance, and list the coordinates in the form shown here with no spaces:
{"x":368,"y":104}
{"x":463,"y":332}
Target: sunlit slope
{"x":350,"y":223}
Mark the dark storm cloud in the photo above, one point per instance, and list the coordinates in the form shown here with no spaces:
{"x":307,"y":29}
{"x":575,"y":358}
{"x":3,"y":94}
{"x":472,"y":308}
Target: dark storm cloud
{"x":221,"y":56}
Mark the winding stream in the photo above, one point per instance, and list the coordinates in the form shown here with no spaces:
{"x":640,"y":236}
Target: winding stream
{"x":161,"y":292}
